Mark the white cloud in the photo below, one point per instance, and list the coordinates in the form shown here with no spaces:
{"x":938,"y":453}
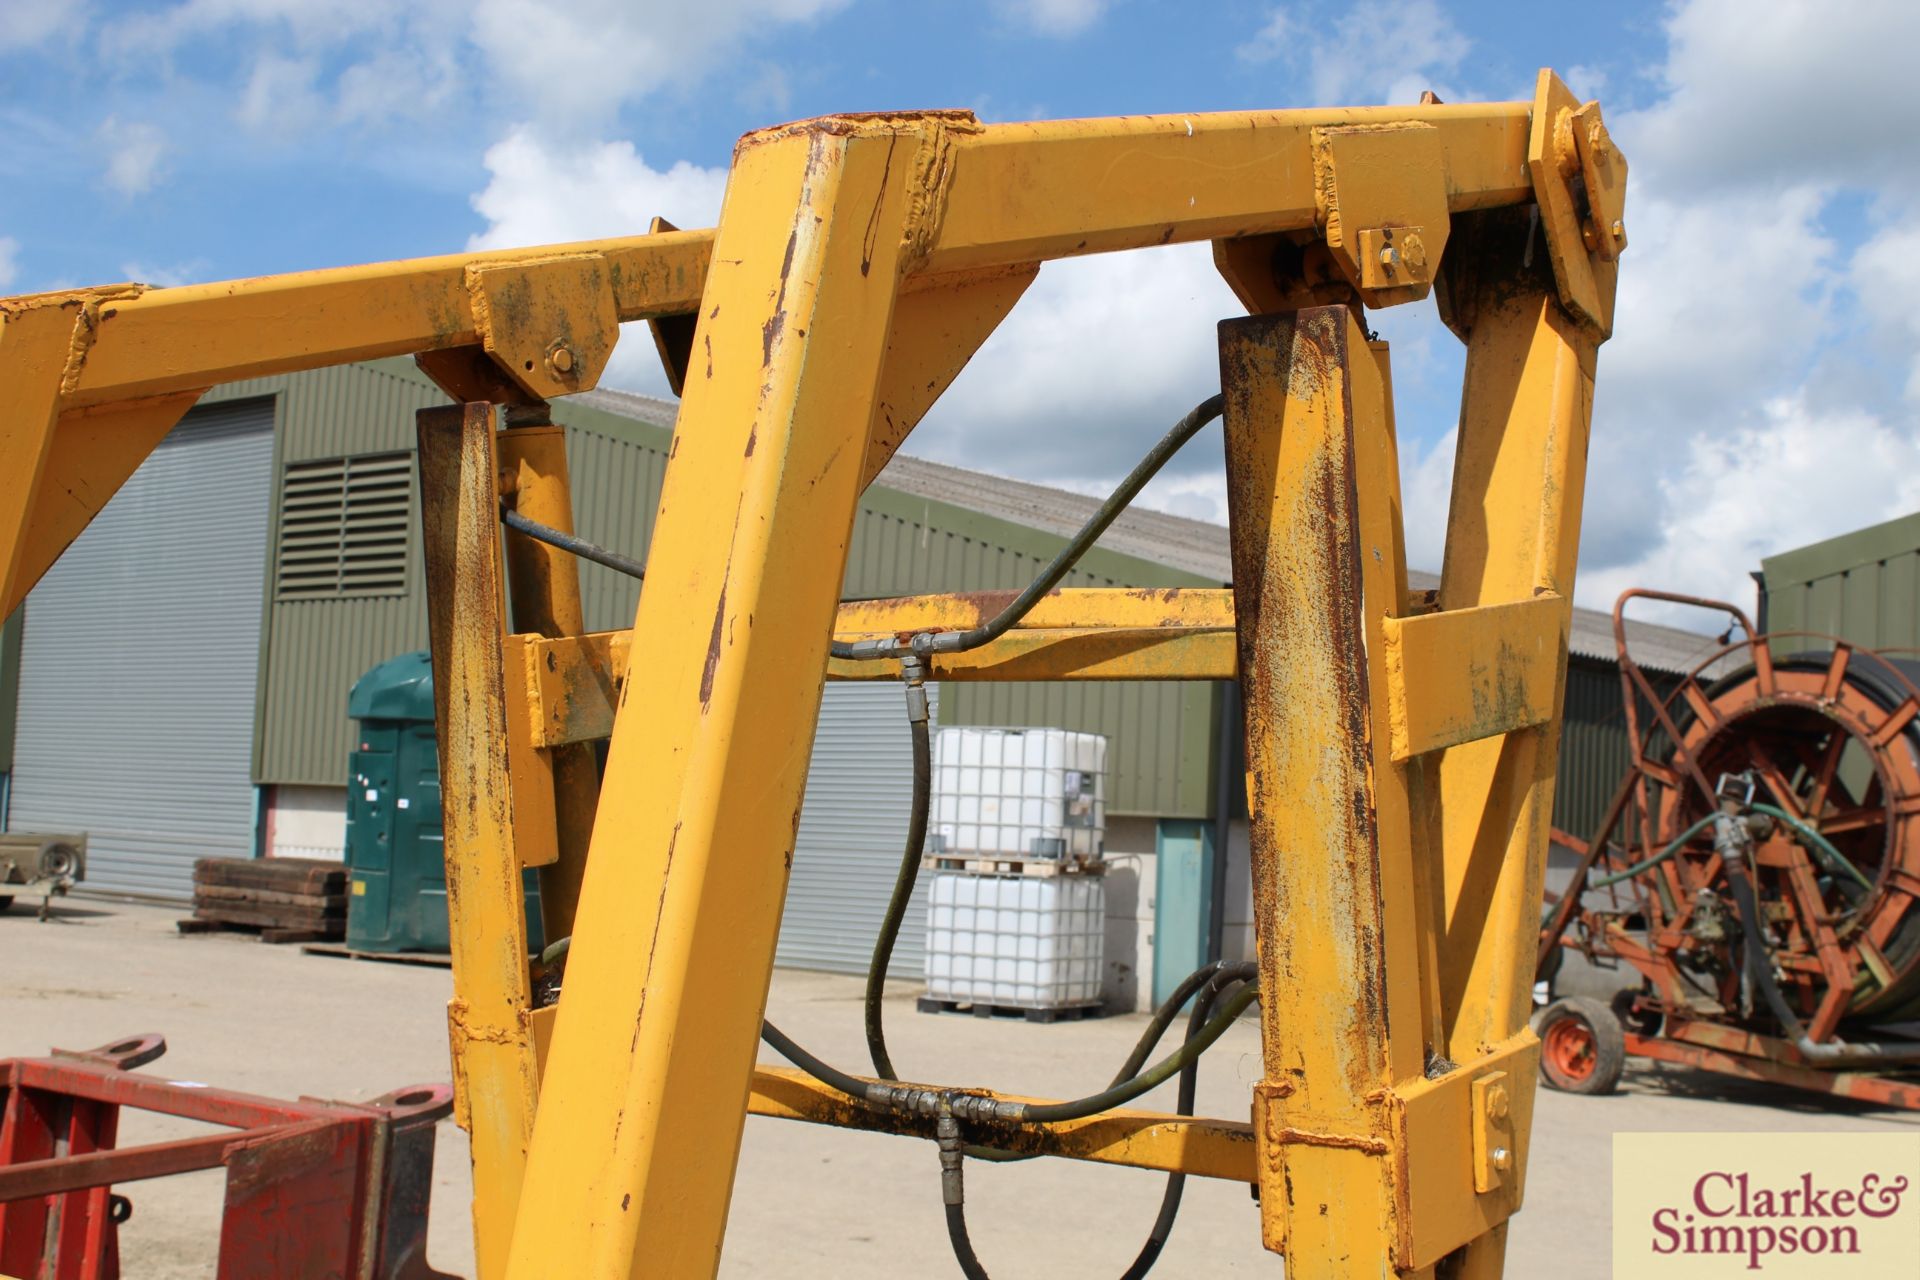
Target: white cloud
{"x":1384,"y":51}
{"x":134,"y":149}
{"x":282,"y":96}
{"x":1885,"y":276}
{"x":1052,"y":17}
{"x":9,"y":261}
{"x":1821,"y":92}
{"x":1092,"y":366}
{"x":165,"y":277}
{"x":580,"y":61}
{"x":536,"y":194}
{"x":27,"y":23}
{"x":1738,"y":412}
{"x":568,"y":63}
{"x":1799,"y":474}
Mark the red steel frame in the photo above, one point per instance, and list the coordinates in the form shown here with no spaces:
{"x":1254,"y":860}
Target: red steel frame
{"x":313,"y":1188}
{"x":1703,"y":1043}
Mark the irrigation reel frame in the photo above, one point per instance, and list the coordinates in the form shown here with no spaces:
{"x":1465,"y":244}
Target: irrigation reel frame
{"x":1809,"y":745}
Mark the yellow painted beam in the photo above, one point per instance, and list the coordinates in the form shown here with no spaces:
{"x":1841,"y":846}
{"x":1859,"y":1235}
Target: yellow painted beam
{"x":572,"y":683}
{"x":1198,"y":1147}
{"x":1051,"y":189}
{"x":91,"y":454}
{"x":33,"y":354}
{"x":632,"y":1162}
{"x":938,"y":324}
{"x":152,"y":341}
{"x":1473,"y":673}
{"x":544,"y":589}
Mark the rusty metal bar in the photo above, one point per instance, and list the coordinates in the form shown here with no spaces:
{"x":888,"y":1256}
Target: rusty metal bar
{"x":1139,"y":1139}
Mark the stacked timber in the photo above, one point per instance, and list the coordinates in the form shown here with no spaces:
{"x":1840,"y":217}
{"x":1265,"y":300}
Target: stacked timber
{"x":282,"y":899}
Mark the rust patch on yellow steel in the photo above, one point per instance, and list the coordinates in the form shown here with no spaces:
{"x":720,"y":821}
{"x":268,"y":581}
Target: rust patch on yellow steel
{"x":491,"y":1042}
{"x":1472,"y":673}
{"x":1292,"y":492}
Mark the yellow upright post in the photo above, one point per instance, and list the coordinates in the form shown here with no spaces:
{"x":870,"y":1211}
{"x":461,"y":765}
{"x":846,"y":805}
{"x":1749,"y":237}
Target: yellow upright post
{"x":646,"y":1084}
{"x":492,"y":1041}
{"x":1513,"y":535}
{"x":1339,"y":953}
{"x":544,"y":595}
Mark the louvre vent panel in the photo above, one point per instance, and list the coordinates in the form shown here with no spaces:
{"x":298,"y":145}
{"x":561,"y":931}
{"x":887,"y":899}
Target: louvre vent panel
{"x":344,"y":525}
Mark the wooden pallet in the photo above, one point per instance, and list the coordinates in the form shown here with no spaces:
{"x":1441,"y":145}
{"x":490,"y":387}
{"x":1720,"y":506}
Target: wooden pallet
{"x":431,"y":959}
{"x":265,"y":933}
{"x":1055,"y":1013}
{"x":1039,"y":868}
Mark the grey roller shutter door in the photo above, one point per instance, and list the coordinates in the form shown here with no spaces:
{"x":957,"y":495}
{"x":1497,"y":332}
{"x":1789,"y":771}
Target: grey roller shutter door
{"x":852,"y":828}
{"x":138,"y":663}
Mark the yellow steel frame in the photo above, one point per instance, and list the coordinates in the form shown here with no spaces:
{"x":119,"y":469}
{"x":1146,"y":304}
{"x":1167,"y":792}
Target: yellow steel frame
{"x":1401,"y":747}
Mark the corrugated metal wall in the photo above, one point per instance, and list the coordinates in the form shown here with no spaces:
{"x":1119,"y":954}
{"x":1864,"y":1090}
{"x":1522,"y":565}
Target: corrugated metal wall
{"x":1863,"y":586}
{"x":317,"y":648}
{"x":853,"y":825}
{"x":138,"y":663}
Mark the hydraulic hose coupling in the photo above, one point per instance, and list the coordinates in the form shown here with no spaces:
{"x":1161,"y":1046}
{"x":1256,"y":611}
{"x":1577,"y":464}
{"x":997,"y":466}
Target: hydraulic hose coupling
{"x":947,"y":1130}
{"x":913,"y":671}
{"x":1732,"y":829}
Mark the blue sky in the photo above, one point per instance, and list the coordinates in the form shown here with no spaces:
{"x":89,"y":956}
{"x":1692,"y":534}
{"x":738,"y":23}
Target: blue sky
{"x":1760,"y":391}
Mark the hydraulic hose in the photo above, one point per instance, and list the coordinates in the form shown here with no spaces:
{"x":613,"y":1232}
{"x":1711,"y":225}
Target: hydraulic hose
{"x":1732,"y":840}
{"x":889,"y":1095}
{"x":1184,"y":1106}
{"x":1109,"y":511}
{"x":568,"y":542}
{"x":1821,"y":846}
{"x":909,"y":874}
{"x":1152,"y":1078}
{"x":1217,"y":977}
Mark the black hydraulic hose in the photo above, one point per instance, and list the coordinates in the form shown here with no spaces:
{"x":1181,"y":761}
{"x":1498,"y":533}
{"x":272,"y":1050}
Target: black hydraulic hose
{"x":1759,"y":959}
{"x":926,"y":1100}
{"x":1158,"y":1074}
{"x":568,"y":542}
{"x":1220,"y":973}
{"x":1217,"y":978}
{"x":962,"y":1246}
{"x":1109,"y":511}
{"x":825,"y":1072}
{"x":1170,"y":1009}
{"x":1183,"y":1106}
{"x":908,"y":877}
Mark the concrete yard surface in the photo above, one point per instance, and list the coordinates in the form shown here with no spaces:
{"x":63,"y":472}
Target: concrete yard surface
{"x":808,"y":1201}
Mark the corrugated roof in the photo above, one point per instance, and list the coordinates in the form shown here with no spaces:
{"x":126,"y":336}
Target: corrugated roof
{"x":1192,"y":546}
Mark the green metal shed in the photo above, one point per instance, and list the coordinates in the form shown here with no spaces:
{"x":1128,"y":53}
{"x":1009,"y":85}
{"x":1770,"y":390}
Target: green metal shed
{"x":1862,"y":586}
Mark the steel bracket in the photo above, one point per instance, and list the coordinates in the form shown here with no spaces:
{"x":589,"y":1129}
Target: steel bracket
{"x":1493,"y":1143}
{"x":550,"y":323}
{"x":1580,"y":183}
{"x":1381,"y":191}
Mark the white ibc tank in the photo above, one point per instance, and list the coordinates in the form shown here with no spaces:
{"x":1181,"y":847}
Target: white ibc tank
{"x":1025,"y":942}
{"x":1019,"y":793}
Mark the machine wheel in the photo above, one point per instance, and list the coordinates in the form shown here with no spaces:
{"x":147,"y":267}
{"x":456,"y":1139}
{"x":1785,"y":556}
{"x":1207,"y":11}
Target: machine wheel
{"x":1582,"y":1048}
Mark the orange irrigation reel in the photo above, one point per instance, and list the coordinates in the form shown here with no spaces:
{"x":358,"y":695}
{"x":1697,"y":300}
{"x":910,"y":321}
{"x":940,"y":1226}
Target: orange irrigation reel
{"x":1758,"y":868}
